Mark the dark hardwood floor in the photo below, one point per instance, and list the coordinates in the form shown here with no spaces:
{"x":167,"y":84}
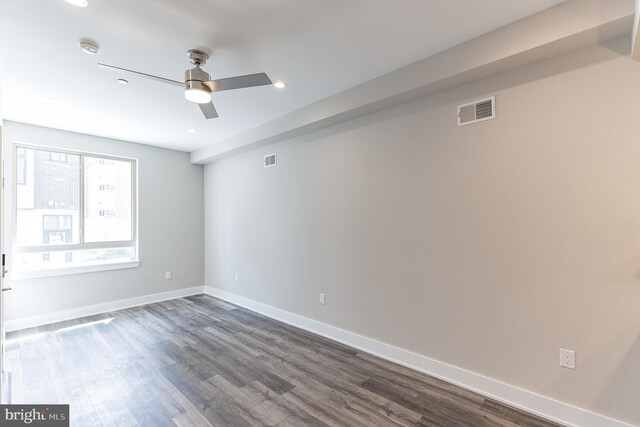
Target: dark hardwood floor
{"x":199,"y":361}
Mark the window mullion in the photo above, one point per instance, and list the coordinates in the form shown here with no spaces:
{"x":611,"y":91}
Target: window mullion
{"x":74,"y":247}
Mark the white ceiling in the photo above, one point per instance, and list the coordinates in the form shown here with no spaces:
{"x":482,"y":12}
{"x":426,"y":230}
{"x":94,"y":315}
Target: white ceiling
{"x":319,"y":47}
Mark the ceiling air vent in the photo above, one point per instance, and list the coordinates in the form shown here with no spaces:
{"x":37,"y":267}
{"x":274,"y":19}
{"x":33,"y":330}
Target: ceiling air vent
{"x":270,"y":160}
{"x":477,"y":111}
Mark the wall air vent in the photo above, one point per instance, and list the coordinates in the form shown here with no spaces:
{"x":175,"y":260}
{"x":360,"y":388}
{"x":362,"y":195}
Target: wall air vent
{"x":477,"y":111}
{"x":270,"y":160}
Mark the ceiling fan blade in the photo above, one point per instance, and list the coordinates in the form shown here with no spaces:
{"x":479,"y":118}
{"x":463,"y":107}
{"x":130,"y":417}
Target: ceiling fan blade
{"x":208,"y":110}
{"x":138,"y":73}
{"x":239,"y":82}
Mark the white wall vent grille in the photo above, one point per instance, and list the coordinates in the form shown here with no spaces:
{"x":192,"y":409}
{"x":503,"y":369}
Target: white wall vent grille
{"x":477,"y":111}
{"x":270,"y":160}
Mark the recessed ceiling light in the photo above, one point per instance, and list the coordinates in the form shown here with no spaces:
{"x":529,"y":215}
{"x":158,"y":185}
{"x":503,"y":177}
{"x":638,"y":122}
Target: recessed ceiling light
{"x":89,"y":47}
{"x":280,"y":85}
{"x":192,"y":131}
{"x":44,"y":99}
{"x":79,"y":3}
{"x":123,"y":81}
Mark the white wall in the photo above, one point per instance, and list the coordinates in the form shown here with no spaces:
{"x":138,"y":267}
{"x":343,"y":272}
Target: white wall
{"x":488,"y":246}
{"x":170,"y":227}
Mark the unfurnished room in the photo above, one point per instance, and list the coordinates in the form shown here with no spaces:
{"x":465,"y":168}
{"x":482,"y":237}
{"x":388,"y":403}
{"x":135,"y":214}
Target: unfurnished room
{"x":320,"y":213}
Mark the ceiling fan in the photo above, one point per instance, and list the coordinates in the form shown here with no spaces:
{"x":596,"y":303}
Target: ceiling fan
{"x":198,"y":85}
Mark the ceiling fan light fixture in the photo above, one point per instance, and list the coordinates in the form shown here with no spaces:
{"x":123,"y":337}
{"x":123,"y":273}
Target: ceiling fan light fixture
{"x":78,"y":3}
{"x":197,"y":93}
{"x":198,"y":96}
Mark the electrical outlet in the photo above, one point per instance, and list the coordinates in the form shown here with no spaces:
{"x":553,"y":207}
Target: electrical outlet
{"x":167,"y":275}
{"x":322,"y":299}
{"x":567,"y":358}
{"x":237,"y":278}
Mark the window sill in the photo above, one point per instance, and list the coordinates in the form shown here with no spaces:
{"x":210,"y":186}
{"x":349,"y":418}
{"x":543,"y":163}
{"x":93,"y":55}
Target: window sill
{"x":64,"y":271}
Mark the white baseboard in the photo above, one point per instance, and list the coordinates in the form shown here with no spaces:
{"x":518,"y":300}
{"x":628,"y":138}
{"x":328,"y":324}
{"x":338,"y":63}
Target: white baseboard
{"x":526,"y":400}
{"x":90,"y":310}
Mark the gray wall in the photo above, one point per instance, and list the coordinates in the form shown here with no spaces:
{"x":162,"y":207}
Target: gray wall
{"x":170,"y":227}
{"x":488,"y":246}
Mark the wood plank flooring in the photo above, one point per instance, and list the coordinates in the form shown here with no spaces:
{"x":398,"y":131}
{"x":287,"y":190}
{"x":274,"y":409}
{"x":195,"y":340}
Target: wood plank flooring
{"x":199,"y":361}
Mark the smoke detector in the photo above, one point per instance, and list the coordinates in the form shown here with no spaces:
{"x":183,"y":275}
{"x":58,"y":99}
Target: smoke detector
{"x":89,"y":47}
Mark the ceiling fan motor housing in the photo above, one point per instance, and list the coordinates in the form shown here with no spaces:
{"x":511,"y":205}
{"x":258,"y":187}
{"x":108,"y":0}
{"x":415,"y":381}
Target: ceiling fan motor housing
{"x":194,"y":77}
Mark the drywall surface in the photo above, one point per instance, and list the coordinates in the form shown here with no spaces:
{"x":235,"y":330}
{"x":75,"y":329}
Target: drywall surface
{"x":170,"y":227}
{"x":488,"y":247}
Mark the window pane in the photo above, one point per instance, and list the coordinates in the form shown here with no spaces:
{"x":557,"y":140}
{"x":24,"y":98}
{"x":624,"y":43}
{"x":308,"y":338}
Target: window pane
{"x":107,"y":200}
{"x":48,"y":198}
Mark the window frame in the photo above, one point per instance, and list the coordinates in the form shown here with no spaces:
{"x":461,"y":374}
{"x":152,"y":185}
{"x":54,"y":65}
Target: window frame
{"x":21,"y":179}
{"x":81,"y":245}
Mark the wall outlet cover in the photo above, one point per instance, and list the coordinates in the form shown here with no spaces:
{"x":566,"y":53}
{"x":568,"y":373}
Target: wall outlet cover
{"x":322,"y":299}
{"x":567,"y":358}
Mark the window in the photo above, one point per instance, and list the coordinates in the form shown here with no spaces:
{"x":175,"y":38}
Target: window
{"x":73,"y":209}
